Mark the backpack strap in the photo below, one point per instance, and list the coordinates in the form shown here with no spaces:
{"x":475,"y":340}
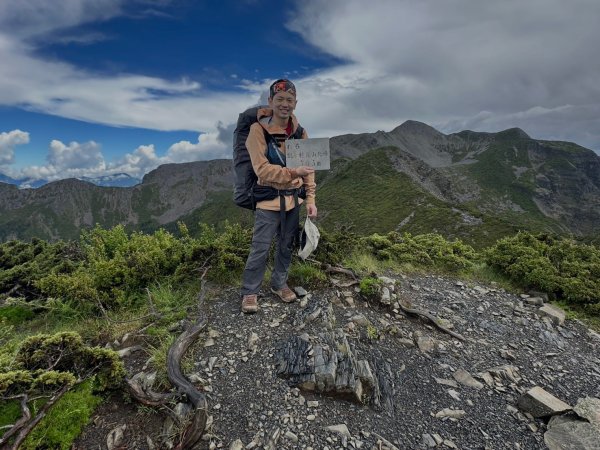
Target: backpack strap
{"x":276,"y":156}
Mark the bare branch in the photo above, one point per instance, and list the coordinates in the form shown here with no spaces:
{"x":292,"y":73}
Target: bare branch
{"x":433,"y":320}
{"x":25,"y":416}
{"x":40,"y":415}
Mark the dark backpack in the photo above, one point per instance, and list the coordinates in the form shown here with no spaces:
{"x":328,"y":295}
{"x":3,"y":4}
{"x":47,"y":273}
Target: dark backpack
{"x":244,"y":192}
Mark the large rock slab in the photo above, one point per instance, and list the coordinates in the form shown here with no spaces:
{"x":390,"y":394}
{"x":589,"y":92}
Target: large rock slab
{"x":540,"y":403}
{"x":465,"y":378}
{"x":589,"y":408}
{"x":327,"y":364}
{"x":555,"y":314}
{"x":571,"y":433}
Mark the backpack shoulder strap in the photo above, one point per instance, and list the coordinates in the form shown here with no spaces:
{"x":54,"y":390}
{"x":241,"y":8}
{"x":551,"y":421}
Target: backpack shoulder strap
{"x":298,"y":134}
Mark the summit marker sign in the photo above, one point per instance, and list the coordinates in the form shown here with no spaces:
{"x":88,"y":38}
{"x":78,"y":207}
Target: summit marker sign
{"x":312,"y":152}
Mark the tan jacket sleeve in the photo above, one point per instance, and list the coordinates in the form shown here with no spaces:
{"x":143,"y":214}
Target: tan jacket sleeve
{"x":272,"y":173}
{"x":309,"y":182}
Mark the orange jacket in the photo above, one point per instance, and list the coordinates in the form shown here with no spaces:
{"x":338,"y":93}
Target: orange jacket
{"x":271,"y":174}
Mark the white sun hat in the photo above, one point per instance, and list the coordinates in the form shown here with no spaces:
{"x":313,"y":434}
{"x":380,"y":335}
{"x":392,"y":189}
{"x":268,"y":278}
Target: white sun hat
{"x":310,"y":239}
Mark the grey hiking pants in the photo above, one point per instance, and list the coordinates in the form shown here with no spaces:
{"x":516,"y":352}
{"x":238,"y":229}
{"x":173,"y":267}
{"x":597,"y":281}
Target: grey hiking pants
{"x":266,"y":226}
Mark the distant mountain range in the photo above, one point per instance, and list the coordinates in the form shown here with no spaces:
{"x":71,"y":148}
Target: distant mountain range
{"x":468,"y":185}
{"x":114,"y":180}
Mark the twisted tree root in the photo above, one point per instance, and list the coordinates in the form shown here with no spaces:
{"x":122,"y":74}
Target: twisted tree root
{"x":434,"y":320}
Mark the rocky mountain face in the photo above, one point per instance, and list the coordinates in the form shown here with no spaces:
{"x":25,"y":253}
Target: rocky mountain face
{"x":61,"y":209}
{"x":471,"y":185}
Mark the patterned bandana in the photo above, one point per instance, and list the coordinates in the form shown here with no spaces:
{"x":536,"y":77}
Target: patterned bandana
{"x":282,"y":85}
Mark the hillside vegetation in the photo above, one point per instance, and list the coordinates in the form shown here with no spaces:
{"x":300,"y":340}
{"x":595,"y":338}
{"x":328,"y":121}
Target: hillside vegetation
{"x":477,"y":187}
{"x":59,"y":300}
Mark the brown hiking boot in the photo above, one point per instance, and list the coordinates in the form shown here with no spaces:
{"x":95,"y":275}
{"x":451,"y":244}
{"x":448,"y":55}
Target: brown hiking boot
{"x":285,"y":294}
{"x":250,"y":303}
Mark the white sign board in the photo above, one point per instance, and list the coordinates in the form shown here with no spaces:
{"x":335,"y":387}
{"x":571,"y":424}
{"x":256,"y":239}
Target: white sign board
{"x":308,"y":152}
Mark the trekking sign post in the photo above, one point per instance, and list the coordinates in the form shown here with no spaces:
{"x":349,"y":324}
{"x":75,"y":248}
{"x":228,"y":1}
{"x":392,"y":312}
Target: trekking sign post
{"x":312,"y":152}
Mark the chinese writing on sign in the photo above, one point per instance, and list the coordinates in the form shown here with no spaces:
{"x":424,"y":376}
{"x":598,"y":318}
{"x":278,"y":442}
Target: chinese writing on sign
{"x":308,"y":152}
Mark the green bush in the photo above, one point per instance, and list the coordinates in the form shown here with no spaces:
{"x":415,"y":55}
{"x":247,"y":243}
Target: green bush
{"x":46,"y":363}
{"x":556,"y":265}
{"x":305,"y":273}
{"x":426,"y":250}
{"x":23,"y":264}
{"x":111,"y":268}
{"x":335,"y":246}
{"x":370,"y":287}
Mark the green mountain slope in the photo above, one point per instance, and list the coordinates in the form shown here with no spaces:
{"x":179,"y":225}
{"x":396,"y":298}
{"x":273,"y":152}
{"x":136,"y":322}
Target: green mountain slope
{"x":469,"y":185}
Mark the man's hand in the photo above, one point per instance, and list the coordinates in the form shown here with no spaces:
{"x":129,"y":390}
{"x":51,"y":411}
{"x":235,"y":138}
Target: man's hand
{"x":304,"y":170}
{"x":311,"y":210}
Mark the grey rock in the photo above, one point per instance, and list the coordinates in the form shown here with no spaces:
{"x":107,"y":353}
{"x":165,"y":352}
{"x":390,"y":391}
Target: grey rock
{"x":451,"y":413}
{"x":236,"y":445}
{"x":540,"y":403}
{"x":329,"y":365}
{"x":291,"y":436}
{"x":555,"y":314}
{"x":568,"y":432}
{"x":340,"y":429}
{"x":273,"y":439}
{"x":425,"y":343}
{"x":589,"y":408}
{"x":445,"y":382}
{"x":428,"y":440}
{"x":360,"y":320}
{"x":538,"y":301}
{"x":386,"y":298}
{"x":125,"y":352}
{"x":541,"y":295}
{"x":465,"y":378}
{"x":252,"y":340}
{"x":300,"y":291}
{"x":387,"y":280}
{"x":115,"y":437}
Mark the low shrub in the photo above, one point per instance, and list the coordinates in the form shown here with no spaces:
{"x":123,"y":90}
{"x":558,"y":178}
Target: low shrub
{"x":305,"y":273}
{"x":426,"y":250}
{"x":370,"y":287}
{"x":556,"y":265}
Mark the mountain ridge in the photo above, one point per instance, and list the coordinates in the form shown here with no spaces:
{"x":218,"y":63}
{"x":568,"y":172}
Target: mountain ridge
{"x":505,"y":181}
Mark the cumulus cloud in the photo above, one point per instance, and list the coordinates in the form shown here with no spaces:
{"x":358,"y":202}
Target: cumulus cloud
{"x":465,"y":64}
{"x":75,"y":155}
{"x":68,"y":160}
{"x":209,"y":146}
{"x":139,"y":162}
{"x":145,"y":159}
{"x":86,"y":159}
{"x":448,"y":62}
{"x":8,"y":142}
{"x":62,"y":89}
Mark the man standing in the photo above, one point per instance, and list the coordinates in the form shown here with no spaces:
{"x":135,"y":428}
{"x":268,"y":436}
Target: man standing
{"x":277,"y":217}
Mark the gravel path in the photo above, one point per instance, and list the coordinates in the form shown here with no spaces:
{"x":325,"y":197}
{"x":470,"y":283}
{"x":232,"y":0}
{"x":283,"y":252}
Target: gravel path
{"x":431,"y":390}
{"x":507,"y":343}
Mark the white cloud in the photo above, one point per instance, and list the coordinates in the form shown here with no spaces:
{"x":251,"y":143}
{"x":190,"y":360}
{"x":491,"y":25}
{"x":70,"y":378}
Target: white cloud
{"x":66,"y":161}
{"x":30,"y":18}
{"x":446,"y":62}
{"x":8,"y":142}
{"x":75,"y":155}
{"x":138,"y":163}
{"x":209,"y":146}
{"x":145,"y":159}
{"x":86,"y":159}
{"x":62,"y":89}
{"x":461,"y":64}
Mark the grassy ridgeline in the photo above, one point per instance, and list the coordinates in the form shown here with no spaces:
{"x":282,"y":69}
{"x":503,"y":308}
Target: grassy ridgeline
{"x":111,"y":274}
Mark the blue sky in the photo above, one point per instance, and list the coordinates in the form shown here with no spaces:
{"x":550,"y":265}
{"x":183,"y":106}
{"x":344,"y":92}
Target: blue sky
{"x":90,"y":87}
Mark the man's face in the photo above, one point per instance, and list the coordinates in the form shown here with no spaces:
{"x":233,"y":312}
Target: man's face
{"x":283,"y":104}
